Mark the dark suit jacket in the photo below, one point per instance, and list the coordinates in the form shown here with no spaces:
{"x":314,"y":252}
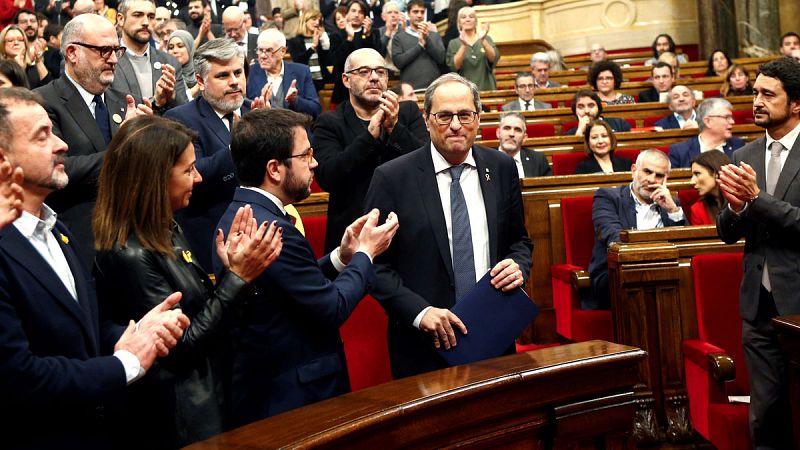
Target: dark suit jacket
{"x":668,"y":123}
{"x":52,"y":374}
{"x":682,"y":153}
{"x":125,"y":77}
{"x":592,"y":166}
{"x":515,"y":106}
{"x":252,"y":45}
{"x":288,"y":349}
{"x":214,"y":162}
{"x":340,"y":50}
{"x":307,"y":99}
{"x":534,"y":164}
{"x":348,"y":154}
{"x":74,"y":124}
{"x":770,"y":226}
{"x":417,"y":270}
{"x":648,"y":95}
{"x":302,"y":55}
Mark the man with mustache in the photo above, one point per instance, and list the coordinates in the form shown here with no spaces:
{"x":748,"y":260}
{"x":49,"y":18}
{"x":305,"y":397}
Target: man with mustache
{"x":681,"y":103}
{"x":220,"y":75}
{"x":143,"y":70}
{"x":643,"y":204}
{"x":512,"y":133}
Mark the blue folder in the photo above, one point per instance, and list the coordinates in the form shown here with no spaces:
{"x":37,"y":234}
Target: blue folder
{"x":493,"y":319}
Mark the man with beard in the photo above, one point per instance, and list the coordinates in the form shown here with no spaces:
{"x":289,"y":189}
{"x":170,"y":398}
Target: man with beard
{"x":220,"y":75}
{"x":144,"y":71}
{"x":369,"y":129}
{"x":288,"y":349}
{"x":86,"y":112}
{"x":643,"y":204}
{"x":715,"y":120}
{"x":511,"y":133}
{"x":418,"y":50}
{"x":27,"y":20}
{"x":763,"y":194}
{"x":681,"y":103}
{"x":200,"y":22}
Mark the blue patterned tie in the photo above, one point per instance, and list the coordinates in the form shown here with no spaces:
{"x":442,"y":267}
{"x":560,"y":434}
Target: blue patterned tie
{"x":463,"y":259}
{"x":101,"y":117}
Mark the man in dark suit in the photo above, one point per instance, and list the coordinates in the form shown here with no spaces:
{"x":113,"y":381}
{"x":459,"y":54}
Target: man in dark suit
{"x":512,"y":133}
{"x":281,"y":84}
{"x":220,"y":73}
{"x":587,"y":106}
{"x":62,"y":369}
{"x":681,"y":103}
{"x":461,"y":212}
{"x":524,"y":86}
{"x":144,"y":71}
{"x":763,"y":194}
{"x":540,"y":69}
{"x":715,"y":121}
{"x":359,"y":136}
{"x":234,"y":27}
{"x":643,"y":204}
{"x":86,"y":112}
{"x":288,"y":349}
{"x":662,"y":78}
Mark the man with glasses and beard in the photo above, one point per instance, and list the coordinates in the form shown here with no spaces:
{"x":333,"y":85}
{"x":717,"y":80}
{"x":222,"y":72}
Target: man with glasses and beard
{"x":220,"y":74}
{"x":369,"y":129}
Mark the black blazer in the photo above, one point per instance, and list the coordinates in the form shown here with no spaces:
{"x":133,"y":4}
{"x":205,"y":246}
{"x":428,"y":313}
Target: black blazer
{"x":592,"y":166}
{"x":648,"y":95}
{"x":534,"y":164}
{"x":417,"y":270}
{"x":125,"y":77}
{"x":301,"y":55}
{"x":340,"y":50}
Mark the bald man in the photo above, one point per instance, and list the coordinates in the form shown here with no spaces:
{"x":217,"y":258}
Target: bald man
{"x":233,"y":24}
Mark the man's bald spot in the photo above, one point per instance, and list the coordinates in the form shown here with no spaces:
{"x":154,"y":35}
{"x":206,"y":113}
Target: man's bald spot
{"x":234,"y":14}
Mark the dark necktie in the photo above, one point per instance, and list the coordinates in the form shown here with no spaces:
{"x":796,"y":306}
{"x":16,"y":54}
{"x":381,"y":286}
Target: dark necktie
{"x":101,"y":117}
{"x":773,"y":173}
{"x":463,"y":259}
{"x":229,"y":118}
{"x":527,"y":105}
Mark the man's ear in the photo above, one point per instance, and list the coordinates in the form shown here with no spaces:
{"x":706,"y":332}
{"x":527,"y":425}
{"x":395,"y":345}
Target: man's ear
{"x":200,"y":84}
{"x":273,"y":174}
{"x":346,"y":81}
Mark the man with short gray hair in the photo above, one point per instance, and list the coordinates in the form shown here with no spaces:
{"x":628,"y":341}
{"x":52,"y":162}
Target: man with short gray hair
{"x":681,"y":103}
{"x":540,"y":68}
{"x":715,"y":121}
{"x":220,"y":74}
{"x":511,"y":133}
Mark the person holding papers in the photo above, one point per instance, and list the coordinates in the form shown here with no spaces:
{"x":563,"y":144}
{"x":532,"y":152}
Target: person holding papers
{"x":461,"y":212}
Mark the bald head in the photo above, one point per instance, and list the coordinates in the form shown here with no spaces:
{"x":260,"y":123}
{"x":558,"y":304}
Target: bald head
{"x":90,"y":68}
{"x":233,"y":23}
{"x":364,"y":57}
{"x":83,"y":7}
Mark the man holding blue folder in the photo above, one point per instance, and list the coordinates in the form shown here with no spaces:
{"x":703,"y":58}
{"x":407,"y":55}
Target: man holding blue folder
{"x":461,"y":212}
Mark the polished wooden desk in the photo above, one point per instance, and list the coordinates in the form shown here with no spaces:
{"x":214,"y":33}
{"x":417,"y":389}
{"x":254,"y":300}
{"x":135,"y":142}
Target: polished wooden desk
{"x":571,"y":396}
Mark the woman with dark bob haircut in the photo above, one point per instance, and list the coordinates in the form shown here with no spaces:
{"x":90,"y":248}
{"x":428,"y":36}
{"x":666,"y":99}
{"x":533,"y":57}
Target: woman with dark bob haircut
{"x":12,"y":75}
{"x":705,"y":179}
{"x":149,"y":172}
{"x":718,"y":63}
{"x":599,"y":144}
{"x":605,"y":78}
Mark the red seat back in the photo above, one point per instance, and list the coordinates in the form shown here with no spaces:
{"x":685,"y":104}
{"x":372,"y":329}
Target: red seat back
{"x":315,"y":233}
{"x":565,"y":163}
{"x":576,"y":215}
{"x":365,"y":345}
{"x":743,"y":116}
{"x":688,"y":197}
{"x":651,"y":121}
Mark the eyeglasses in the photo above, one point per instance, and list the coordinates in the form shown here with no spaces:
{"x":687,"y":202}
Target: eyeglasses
{"x":104,"y":50}
{"x":365,"y":72}
{"x":464,"y":117}
{"x":526,"y":86}
{"x":728,"y":117}
{"x":308,"y":155}
{"x":15,"y":39}
{"x":605,"y":79}
{"x":268,"y":51}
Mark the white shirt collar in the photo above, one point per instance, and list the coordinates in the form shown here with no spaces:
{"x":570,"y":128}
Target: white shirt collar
{"x":787,"y":141}
{"x":440,"y":164}
{"x":87,"y":96}
{"x":280,"y":75}
{"x":270,"y":196}
{"x":30,"y":225}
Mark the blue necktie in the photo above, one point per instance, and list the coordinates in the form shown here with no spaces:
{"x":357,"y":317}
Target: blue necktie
{"x":101,"y":117}
{"x":463,"y":259}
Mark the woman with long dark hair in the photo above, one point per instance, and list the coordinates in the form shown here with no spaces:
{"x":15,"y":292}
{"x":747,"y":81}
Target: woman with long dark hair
{"x":705,"y":178}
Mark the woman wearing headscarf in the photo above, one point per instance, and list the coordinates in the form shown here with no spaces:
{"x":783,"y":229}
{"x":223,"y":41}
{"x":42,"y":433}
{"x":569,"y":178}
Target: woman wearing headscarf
{"x":181,"y":45}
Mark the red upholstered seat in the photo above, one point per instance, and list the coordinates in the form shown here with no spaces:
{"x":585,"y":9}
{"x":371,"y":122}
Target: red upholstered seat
{"x":651,"y":121}
{"x":688,"y":197}
{"x":711,"y":93}
{"x":743,"y":116}
{"x":315,"y":233}
{"x":571,"y":321}
{"x":565,"y":163}
{"x":365,"y":345}
{"x":553,"y":103}
{"x":577,"y":83}
{"x":716,"y":285}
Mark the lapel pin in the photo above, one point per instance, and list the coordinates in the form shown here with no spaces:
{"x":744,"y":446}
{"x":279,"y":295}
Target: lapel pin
{"x":157,"y":65}
{"x":65,"y":239}
{"x":187,"y":256}
{"x":116,"y":118}
{"x":488,"y":178}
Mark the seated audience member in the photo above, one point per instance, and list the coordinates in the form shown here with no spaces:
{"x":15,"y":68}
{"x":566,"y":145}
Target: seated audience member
{"x":281,"y":84}
{"x":288,"y":352}
{"x":663,"y":43}
{"x":643,"y":204}
{"x":52,"y":53}
{"x":63,"y":371}
{"x":311,"y":47}
{"x":715,"y":121}
{"x":586,"y":106}
{"x":340,"y":19}
{"x":277,"y":18}
{"x":474,"y":55}
{"x":737,"y":82}
{"x":371,"y":128}
{"x":524,"y":87}
{"x":418,"y":51}
{"x":356,"y":34}
{"x":662,"y":79}
{"x":599,"y":145}
{"x":598,"y":53}
{"x":12,"y":75}
{"x":540,"y":68}
{"x":511,"y":133}
{"x":681,"y":103}
{"x":718,"y":63}
{"x":142,"y":256}
{"x":789,"y":41}
{"x":605,"y":77}
{"x":705,"y":176}
{"x":181,"y":45}
{"x":14,"y":46}
{"x":405,"y":92}
{"x":671,"y":59}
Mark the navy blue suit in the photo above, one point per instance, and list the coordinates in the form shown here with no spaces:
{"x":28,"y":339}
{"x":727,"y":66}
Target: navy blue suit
{"x":613,"y":210}
{"x":682,"y":153}
{"x":669,"y":123}
{"x":214,"y":162}
{"x":54,"y":383}
{"x":307,"y":99}
{"x":288,"y":349}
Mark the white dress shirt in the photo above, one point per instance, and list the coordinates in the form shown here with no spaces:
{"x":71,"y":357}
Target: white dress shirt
{"x":648,"y":216}
{"x":788,"y":143}
{"x":87,"y":96}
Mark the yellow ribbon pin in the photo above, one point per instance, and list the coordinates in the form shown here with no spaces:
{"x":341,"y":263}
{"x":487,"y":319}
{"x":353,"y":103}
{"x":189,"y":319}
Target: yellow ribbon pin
{"x":64,"y":239}
{"x":187,"y":256}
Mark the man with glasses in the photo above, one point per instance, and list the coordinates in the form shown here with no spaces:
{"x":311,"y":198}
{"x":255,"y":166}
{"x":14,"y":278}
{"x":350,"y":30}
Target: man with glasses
{"x":220,"y":74}
{"x":86,"y":113}
{"x":715,"y":121}
{"x":524,"y":86}
{"x":369,"y":129}
{"x":281,"y":84}
{"x":234,"y":27}
{"x":288,"y":349}
{"x":461,"y":216}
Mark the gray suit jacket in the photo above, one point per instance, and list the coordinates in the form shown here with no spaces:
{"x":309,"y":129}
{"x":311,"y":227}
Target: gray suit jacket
{"x":516,"y":106}
{"x":125,"y":77}
{"x":771,"y":227}
{"x":418,"y":66}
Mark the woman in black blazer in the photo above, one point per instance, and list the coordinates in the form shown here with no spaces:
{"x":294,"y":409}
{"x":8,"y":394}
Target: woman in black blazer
{"x":311,"y":47}
{"x":599,"y":144}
